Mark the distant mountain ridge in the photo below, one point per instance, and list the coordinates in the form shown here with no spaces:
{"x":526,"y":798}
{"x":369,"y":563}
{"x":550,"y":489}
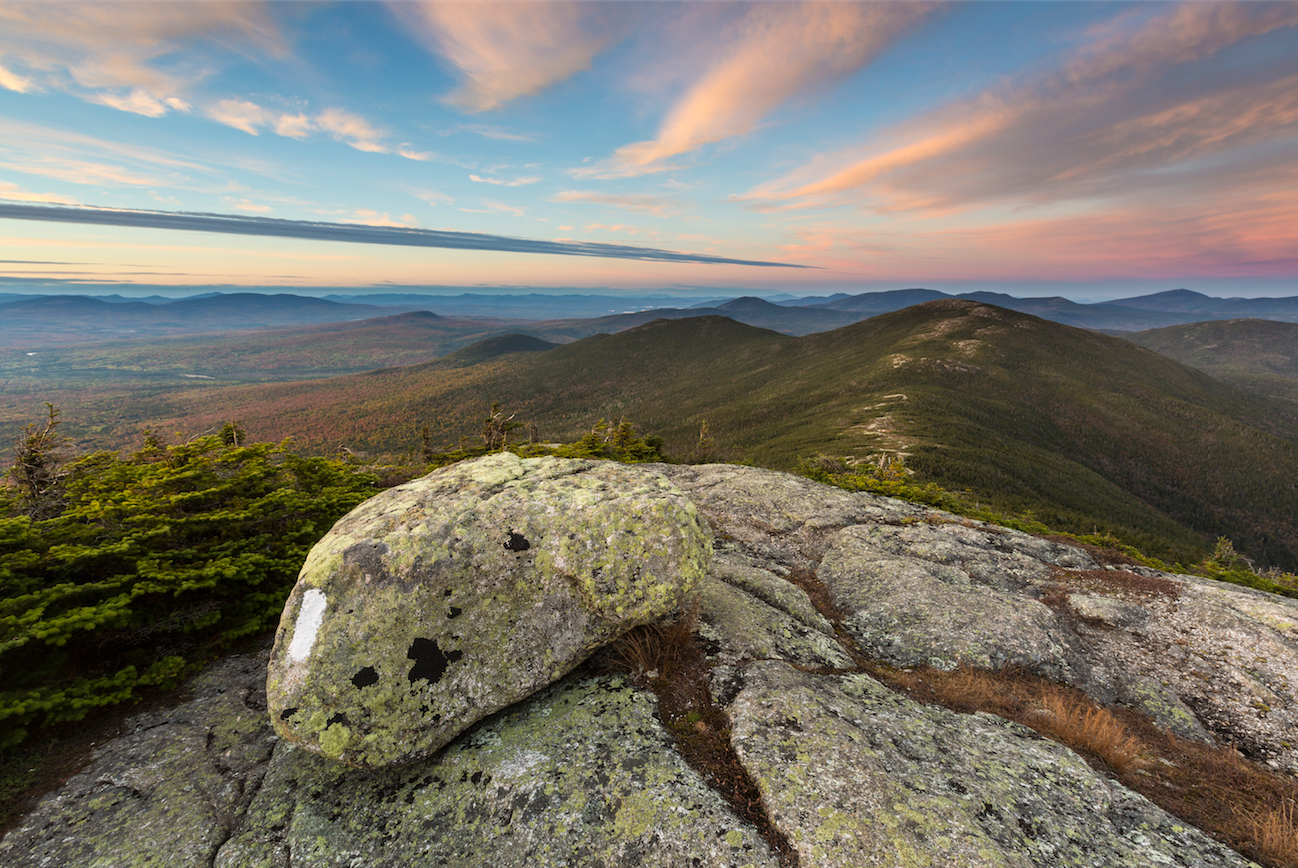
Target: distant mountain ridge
{"x":1085,"y":429}
{"x":1256,"y":354}
{"x":561,"y":313}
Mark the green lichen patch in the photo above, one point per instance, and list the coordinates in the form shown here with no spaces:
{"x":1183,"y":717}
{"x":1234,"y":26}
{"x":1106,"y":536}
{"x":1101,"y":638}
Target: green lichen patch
{"x":580,"y":774}
{"x":458,"y":594}
{"x":856,"y":774}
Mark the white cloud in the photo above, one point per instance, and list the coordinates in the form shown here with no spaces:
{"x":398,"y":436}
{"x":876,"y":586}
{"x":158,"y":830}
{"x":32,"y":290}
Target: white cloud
{"x":138,"y":102}
{"x":406,"y":151}
{"x":241,"y":114}
{"x":340,"y":124}
{"x":432,"y":197}
{"x":351,"y":129}
{"x":504,"y":182}
{"x":297,"y":126}
{"x":82,"y":172}
{"x":13,"y":81}
{"x":98,"y":50}
{"x":246,"y":205}
{"x":14,"y":193}
{"x":367,"y":217}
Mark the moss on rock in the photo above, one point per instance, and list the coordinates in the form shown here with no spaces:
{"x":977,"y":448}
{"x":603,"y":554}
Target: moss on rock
{"x":440,"y":602}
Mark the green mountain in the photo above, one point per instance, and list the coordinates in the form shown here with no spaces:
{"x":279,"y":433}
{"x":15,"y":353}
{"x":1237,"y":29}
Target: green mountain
{"x":1256,"y":354}
{"x":1087,"y":430}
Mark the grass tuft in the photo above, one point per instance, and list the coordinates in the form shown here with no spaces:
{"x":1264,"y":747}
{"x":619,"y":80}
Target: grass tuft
{"x":668,"y":659}
{"x":1244,"y":805}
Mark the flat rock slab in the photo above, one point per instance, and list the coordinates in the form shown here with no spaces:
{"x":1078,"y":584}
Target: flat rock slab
{"x":580,"y":774}
{"x":168,"y":793}
{"x":441,"y":601}
{"x":856,"y":775}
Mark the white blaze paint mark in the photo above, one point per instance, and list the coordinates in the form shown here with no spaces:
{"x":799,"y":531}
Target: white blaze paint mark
{"x":309,"y":618}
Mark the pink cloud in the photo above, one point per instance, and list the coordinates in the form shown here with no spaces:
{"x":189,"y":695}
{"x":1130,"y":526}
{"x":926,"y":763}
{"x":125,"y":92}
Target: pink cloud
{"x":95,"y":49}
{"x":1111,"y":120}
{"x":775,"y":51}
{"x":506,"y":50}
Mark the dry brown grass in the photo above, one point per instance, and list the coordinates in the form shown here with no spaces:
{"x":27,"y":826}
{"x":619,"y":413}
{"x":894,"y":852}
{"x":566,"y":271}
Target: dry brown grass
{"x":1119,"y":583}
{"x":1244,"y":805}
{"x":657,"y":651}
{"x":1276,"y":832}
{"x":668,"y":659}
{"x":1086,"y":727}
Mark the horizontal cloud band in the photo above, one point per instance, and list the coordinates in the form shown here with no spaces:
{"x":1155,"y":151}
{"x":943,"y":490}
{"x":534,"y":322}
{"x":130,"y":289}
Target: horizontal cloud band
{"x":356,"y":234}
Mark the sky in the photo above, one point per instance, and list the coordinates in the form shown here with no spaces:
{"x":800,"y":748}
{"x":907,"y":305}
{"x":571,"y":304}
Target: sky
{"x":1091,"y":150}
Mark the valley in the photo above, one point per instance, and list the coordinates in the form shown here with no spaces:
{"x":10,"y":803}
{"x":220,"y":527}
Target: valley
{"x":1082,"y":430}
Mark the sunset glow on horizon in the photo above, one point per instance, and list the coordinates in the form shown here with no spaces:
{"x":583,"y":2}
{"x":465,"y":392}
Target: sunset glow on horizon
{"x":1082,"y":149}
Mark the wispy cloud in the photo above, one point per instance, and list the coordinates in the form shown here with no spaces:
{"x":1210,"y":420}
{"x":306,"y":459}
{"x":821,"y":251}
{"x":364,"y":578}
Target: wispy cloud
{"x":356,"y":234}
{"x":341,"y":125}
{"x":244,"y":115}
{"x":82,"y":172}
{"x":496,"y":208}
{"x":352,"y":129}
{"x":505,"y":50}
{"x":406,"y":151}
{"x":776,"y":51}
{"x":12,"y":81}
{"x":136,"y":57}
{"x":506,"y":182}
{"x":1132,"y":107}
{"x":247,"y":205}
{"x":14,"y":193}
{"x":491,"y":132}
{"x":367,"y":217}
{"x":432,"y":197}
{"x":645,"y":204}
{"x":140,"y":102}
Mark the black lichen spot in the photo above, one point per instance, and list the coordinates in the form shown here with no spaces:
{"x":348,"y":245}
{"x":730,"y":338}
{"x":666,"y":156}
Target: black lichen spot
{"x":337,"y":718}
{"x":287,"y":713}
{"x":517,"y":542}
{"x":365,"y":677}
{"x":448,"y":592}
{"x":454,"y":613}
{"x":430,"y":661}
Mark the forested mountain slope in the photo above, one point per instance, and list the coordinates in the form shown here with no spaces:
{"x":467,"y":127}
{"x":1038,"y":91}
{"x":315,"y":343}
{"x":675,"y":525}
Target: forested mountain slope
{"x":1084,"y":429}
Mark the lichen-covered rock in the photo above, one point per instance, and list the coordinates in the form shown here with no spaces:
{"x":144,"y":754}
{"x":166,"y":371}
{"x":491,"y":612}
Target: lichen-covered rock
{"x":442,"y":601}
{"x":169,"y":792}
{"x":857,"y":775}
{"x":580,"y":774}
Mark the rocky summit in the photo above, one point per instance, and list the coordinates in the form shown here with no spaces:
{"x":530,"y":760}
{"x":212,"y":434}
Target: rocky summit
{"x":444,"y":600}
{"x":585,"y":772}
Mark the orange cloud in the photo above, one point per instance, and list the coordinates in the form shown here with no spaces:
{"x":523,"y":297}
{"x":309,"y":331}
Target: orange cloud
{"x":1111,"y":121}
{"x":506,"y":50}
{"x":775,"y":51}
{"x":1251,"y":231}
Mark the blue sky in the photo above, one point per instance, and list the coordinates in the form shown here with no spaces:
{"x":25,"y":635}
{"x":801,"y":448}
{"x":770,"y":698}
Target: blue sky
{"x":1083,"y":149}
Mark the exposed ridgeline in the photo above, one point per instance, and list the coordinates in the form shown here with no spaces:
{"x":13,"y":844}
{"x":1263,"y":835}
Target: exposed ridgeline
{"x":1085,"y":430}
{"x":1256,"y":354}
{"x":780,"y":721}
